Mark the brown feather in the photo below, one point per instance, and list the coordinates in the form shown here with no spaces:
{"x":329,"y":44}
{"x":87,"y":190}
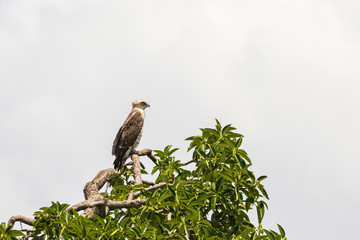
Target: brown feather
{"x":127,"y":136}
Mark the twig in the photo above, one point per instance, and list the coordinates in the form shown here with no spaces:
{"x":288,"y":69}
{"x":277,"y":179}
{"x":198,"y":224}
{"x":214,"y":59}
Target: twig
{"x":191,"y":161}
{"x":106,"y":190}
{"x":27,"y":230}
{"x":148,"y":182}
{"x":29,"y":234}
{"x":156,"y":186}
{"x":117,"y":175}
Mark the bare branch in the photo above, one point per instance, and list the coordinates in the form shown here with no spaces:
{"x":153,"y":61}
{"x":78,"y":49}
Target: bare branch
{"x":131,"y":163}
{"x":128,"y":164}
{"x":137,"y":173}
{"x":156,"y":186}
{"x":191,"y":161}
{"x":93,"y":187}
{"x":27,"y":230}
{"x":131,"y":195}
{"x":96,"y":203}
{"x":111,"y":204}
{"x":29,"y":234}
{"x":106,"y":190}
{"x":148,"y":182}
{"x":91,"y":192}
{"x":137,"y":169}
{"x":148,"y":152}
{"x":126,"y":204}
{"x":119,"y":174}
{"x":144,"y":152}
{"x":20,"y":218}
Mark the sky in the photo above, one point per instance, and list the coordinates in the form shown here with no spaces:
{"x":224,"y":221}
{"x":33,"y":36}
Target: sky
{"x":284,"y":73}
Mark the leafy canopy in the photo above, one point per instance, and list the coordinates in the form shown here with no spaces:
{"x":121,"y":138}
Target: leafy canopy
{"x":210,"y":202}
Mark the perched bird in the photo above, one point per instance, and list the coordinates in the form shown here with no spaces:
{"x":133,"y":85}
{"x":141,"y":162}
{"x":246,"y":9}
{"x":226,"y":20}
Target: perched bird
{"x":129,"y":134}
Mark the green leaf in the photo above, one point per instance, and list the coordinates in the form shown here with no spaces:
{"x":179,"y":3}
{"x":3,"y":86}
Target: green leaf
{"x":213,"y":202}
{"x":215,"y":238}
{"x":271,"y":235}
{"x":210,"y":131}
{"x":263,"y":191}
{"x":251,"y":175}
{"x":261,"y":178}
{"x":204,"y":196}
{"x":99,"y":219}
{"x":205,"y":222}
{"x":253,"y":235}
{"x":226,"y":129}
{"x":173,"y":150}
{"x":227,"y":177}
{"x":16,"y":233}
{"x":124,"y":221}
{"x":173,"y":221}
{"x":262,"y":238}
{"x":238,"y":142}
{"x":218,"y":125}
{"x":198,"y":137}
{"x":244,"y":155}
{"x":260,"y":211}
{"x":282,"y":231}
{"x":159,"y":153}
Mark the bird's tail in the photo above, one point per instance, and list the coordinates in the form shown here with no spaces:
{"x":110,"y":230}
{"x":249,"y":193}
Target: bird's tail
{"x":118,"y":163}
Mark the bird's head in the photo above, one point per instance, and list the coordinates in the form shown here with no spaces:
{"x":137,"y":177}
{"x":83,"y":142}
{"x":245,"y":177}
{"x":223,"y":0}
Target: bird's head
{"x":140,"y":104}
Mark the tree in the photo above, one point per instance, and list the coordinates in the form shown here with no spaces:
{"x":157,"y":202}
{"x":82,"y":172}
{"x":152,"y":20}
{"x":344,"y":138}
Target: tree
{"x":210,"y":202}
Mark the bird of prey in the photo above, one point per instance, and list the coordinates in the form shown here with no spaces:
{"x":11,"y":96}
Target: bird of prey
{"x":129,"y":135}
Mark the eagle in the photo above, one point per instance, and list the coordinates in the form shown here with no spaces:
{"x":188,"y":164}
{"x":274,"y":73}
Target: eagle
{"x":129,"y":135}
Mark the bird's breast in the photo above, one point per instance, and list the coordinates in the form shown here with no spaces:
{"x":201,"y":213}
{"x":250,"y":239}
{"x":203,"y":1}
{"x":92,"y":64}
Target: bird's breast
{"x":137,"y":141}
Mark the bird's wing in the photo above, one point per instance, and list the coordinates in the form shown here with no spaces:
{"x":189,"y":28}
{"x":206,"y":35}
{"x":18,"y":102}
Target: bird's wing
{"x":128,"y":132}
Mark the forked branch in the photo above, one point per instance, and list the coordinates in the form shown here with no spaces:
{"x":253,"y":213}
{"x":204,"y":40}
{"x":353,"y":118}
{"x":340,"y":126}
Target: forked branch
{"x":95,"y":203}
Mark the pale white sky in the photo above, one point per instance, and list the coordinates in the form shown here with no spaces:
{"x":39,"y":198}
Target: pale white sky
{"x":285,"y":73}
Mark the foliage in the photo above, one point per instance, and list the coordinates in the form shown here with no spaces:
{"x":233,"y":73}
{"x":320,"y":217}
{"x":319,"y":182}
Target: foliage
{"x":7,"y":233}
{"x":210,"y":202}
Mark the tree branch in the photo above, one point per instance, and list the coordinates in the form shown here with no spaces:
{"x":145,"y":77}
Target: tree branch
{"x":148,"y":182}
{"x":156,"y":186}
{"x":93,"y":187}
{"x":148,"y":152}
{"x":126,"y":204}
{"x":111,"y":204}
{"x":20,"y":218}
{"x":137,"y":173}
{"x":91,"y":192}
{"x":191,"y":161}
{"x":137,"y":169}
{"x":95,"y":203}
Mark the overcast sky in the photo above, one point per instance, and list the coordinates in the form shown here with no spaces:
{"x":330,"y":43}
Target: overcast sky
{"x":285,"y":73}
